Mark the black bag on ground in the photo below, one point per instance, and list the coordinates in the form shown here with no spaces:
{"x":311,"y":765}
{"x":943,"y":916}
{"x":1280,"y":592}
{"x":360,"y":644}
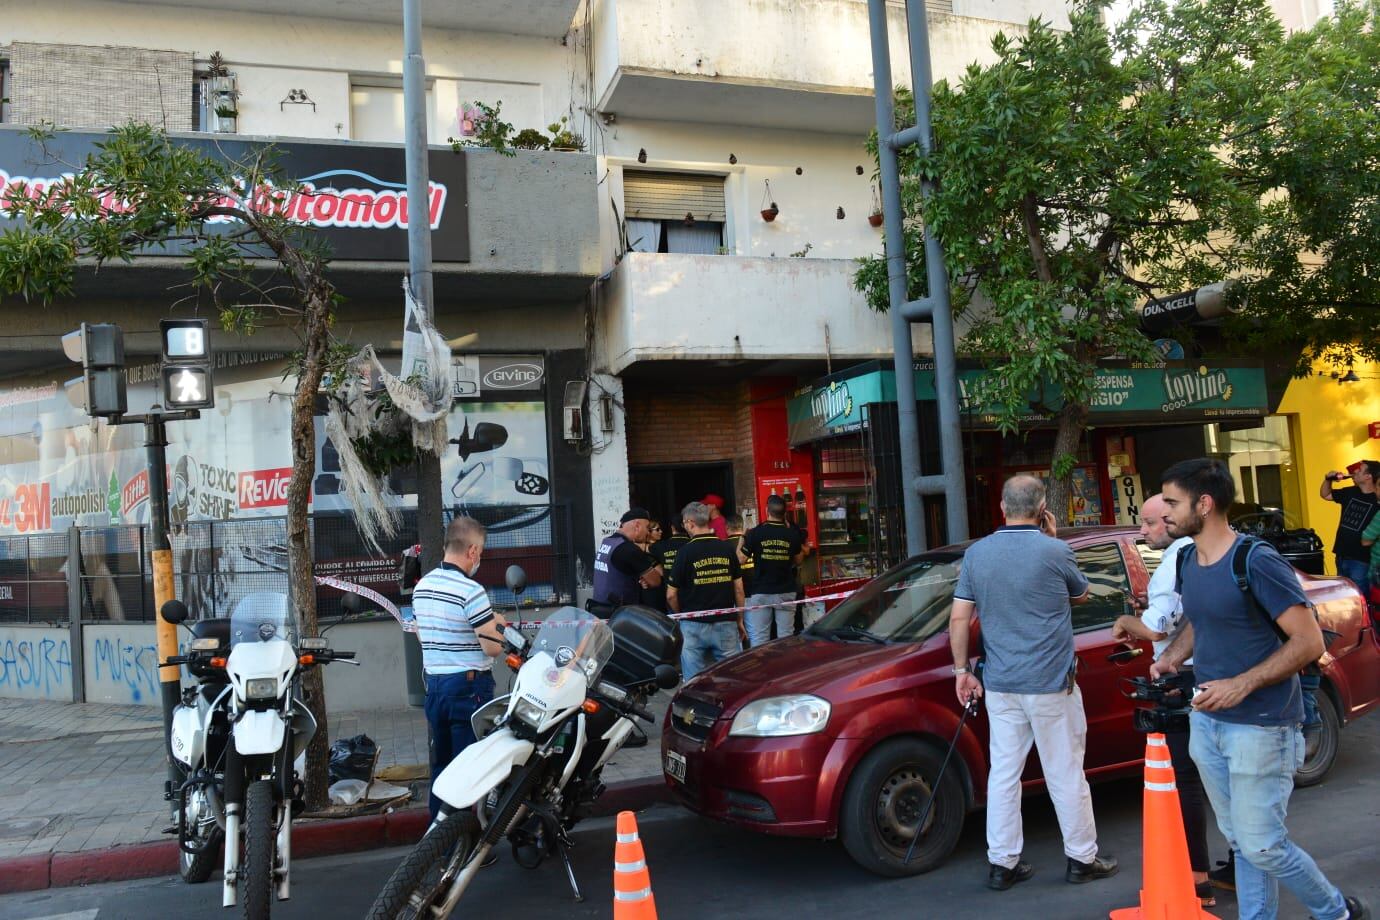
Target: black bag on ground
{"x":353,"y":758}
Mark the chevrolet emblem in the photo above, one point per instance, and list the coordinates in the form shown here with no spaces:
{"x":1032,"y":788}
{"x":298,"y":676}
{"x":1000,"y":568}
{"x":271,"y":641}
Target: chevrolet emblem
{"x":688,"y":717}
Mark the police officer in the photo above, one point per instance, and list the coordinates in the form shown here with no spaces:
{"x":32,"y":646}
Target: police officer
{"x":664,"y":552}
{"x":735,"y":541}
{"x":621,"y":567}
{"x":706,"y":577}
{"x":773,"y":549}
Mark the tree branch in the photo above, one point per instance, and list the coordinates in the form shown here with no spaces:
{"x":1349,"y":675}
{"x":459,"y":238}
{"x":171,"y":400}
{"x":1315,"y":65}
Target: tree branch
{"x":1031,"y":215}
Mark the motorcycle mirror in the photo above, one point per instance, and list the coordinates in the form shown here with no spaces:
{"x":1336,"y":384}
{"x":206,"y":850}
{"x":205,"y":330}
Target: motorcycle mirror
{"x":488,"y":435}
{"x":515,"y":578}
{"x":353,"y":603}
{"x":666,"y":676}
{"x":175,"y":612}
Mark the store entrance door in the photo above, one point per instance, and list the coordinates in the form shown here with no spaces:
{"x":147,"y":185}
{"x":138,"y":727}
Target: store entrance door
{"x":665,"y":490}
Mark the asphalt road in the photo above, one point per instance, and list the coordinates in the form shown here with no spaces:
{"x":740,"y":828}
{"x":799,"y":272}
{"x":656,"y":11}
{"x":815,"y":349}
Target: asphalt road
{"x":701,"y":869}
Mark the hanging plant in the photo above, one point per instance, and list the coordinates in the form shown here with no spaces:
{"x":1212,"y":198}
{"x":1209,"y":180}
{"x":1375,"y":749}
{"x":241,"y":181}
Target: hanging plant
{"x":876,"y":217}
{"x":770,"y":210}
{"x":388,"y":444}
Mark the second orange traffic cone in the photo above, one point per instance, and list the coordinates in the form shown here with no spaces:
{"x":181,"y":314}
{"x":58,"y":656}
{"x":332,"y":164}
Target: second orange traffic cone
{"x":1167,"y":891}
{"x":632,"y":885}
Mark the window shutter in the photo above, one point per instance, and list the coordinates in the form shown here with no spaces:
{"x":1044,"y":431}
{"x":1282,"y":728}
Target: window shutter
{"x":670,"y":196}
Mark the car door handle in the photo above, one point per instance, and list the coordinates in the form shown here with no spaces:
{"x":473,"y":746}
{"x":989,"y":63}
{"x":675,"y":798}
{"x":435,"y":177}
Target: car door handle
{"x":1122,"y":656}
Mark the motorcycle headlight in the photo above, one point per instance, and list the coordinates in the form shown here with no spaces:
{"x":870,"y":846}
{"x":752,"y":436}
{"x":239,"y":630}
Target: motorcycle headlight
{"x":529,"y":713}
{"x":778,"y":716}
{"x":261,"y":688}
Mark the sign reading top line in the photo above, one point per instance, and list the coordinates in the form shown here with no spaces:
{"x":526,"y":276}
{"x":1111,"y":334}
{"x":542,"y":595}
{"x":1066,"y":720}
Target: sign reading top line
{"x":354,"y":195}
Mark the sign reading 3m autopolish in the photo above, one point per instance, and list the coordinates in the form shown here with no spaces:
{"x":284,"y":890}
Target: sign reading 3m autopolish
{"x":353,"y":195}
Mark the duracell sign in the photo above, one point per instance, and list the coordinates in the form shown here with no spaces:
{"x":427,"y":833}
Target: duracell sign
{"x":1188,"y":308}
{"x":354,"y":196}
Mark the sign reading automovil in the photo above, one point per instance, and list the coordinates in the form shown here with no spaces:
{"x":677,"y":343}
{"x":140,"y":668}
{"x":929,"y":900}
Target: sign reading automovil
{"x":354,"y":195}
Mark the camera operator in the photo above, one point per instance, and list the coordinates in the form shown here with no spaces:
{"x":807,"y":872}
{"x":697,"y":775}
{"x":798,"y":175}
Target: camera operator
{"x":1246,"y":737}
{"x":1159,"y":621}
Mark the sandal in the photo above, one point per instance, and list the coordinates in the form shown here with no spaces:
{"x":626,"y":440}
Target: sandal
{"x":1205,"y":895}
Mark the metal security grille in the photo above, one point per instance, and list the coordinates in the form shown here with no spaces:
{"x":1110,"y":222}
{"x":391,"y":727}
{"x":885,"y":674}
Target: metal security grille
{"x":882,"y":436}
{"x":670,"y":196}
{"x":218,"y":564}
{"x":33,"y":579}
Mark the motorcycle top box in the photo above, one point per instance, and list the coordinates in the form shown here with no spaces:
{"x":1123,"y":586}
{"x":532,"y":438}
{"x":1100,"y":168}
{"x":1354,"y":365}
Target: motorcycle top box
{"x":643,"y":639}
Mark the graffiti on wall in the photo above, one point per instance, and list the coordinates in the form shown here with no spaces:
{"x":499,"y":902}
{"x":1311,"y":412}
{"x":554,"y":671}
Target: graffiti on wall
{"x":35,"y":664}
{"x":122,"y":666}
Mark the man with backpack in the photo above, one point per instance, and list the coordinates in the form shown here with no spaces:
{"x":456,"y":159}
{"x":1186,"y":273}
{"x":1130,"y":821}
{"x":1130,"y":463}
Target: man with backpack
{"x":1248,"y":647}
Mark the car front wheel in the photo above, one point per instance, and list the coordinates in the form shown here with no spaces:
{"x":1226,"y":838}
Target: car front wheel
{"x":885,"y":800}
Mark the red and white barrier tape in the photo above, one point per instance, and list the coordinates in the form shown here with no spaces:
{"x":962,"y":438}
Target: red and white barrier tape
{"x":411,"y":625}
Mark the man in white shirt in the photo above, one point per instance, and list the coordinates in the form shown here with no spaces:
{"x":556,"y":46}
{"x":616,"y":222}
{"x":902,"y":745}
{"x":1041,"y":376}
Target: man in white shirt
{"x":1159,"y":621}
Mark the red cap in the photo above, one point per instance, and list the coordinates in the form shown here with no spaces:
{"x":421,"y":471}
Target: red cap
{"x":712,"y":499}
{"x":1355,"y":467}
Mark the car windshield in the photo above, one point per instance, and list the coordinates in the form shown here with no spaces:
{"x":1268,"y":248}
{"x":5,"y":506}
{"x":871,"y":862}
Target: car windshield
{"x":909,"y":603}
{"x":577,"y":641}
{"x":262,"y":616}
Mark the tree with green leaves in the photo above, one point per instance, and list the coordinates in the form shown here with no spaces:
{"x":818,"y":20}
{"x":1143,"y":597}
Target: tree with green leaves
{"x":140,"y":191}
{"x":1090,"y":169}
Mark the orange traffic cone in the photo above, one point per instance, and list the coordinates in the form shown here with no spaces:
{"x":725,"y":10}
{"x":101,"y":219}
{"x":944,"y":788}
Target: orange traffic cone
{"x":632,"y":886}
{"x":1168,"y":892}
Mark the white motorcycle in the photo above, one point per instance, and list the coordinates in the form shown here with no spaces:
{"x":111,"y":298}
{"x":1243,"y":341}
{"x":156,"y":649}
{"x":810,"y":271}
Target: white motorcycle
{"x":237,"y":733}
{"x":535,"y":769}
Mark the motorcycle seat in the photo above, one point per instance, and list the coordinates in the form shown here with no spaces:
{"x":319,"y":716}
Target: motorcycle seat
{"x":217,"y":628}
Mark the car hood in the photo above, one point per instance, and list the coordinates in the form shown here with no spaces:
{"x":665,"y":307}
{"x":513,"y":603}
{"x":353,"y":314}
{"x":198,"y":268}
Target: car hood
{"x":804,"y":664}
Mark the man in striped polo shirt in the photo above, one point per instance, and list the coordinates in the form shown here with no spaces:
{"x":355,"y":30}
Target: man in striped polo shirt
{"x":460,"y":635}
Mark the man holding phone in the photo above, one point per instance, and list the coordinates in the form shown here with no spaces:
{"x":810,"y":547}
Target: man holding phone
{"x":1021,"y":580}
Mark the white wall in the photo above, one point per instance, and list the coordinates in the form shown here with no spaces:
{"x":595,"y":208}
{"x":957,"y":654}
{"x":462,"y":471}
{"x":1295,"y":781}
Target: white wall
{"x":35,"y":663}
{"x":121,"y":663}
{"x":380,"y":681}
{"x":608,"y":461}
{"x":272,"y":54}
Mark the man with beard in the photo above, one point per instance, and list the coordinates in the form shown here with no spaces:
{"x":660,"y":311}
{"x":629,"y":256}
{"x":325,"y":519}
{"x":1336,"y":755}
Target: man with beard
{"x":1245,"y":732}
{"x":1160,"y":620}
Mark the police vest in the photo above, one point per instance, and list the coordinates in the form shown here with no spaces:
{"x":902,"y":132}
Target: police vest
{"x":610,"y":585}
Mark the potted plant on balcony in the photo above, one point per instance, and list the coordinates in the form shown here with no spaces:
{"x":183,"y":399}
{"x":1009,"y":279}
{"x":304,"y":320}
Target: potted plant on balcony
{"x":771,"y":210}
{"x":562,"y":138}
{"x":222,"y":94}
{"x":875,"y":217}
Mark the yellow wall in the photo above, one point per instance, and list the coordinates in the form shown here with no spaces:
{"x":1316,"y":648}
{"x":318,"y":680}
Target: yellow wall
{"x":1328,"y":421}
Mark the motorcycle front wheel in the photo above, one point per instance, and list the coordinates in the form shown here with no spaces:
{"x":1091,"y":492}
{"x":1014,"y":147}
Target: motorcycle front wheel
{"x":260,"y":841}
{"x":196,"y":868}
{"x":422,"y":880}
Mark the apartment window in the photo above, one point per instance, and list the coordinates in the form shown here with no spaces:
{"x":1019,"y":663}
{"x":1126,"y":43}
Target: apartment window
{"x":376,"y":108}
{"x":6,"y":91}
{"x":674,"y":212}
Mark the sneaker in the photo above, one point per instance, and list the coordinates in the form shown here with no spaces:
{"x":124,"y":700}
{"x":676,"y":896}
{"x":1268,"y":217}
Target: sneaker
{"x":1101,"y":867}
{"x":1356,"y":909}
{"x":1224,"y":876}
{"x":1000,"y":878}
{"x":1205,"y":896}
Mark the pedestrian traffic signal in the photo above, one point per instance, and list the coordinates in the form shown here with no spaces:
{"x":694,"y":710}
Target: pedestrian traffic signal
{"x":186,"y":372}
{"x":100,"y":350}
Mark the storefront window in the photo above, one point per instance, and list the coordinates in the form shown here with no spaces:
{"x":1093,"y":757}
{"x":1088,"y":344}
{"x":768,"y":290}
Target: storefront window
{"x":1262,"y":461}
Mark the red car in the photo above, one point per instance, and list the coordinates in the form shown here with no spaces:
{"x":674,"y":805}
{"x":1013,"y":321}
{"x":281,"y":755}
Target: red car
{"x":841,"y":731}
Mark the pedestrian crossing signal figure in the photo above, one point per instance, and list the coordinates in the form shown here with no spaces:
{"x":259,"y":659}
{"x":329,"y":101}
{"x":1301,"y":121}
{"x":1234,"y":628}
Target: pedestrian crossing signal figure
{"x":632,"y":885}
{"x":1167,"y":891}
{"x":187,"y":387}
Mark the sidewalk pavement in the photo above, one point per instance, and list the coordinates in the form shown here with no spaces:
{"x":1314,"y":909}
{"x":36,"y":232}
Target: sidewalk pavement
{"x":87,"y":777}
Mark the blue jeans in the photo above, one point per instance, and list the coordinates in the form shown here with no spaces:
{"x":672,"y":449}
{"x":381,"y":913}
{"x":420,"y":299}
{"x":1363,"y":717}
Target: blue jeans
{"x":706,"y":643}
{"x":1248,"y":772}
{"x":1358,"y":571}
{"x":758,"y":622}
{"x":451,"y":700}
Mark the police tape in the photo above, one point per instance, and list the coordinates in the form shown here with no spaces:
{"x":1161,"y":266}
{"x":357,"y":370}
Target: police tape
{"x":410,"y":625}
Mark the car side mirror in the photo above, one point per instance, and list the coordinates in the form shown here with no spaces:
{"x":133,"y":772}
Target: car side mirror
{"x":353,"y":603}
{"x":666,"y":676}
{"x":515,"y":578}
{"x":175,"y":612}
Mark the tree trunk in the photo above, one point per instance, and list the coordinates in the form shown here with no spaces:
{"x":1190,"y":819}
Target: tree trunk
{"x":1072,"y":419}
{"x":300,"y":569}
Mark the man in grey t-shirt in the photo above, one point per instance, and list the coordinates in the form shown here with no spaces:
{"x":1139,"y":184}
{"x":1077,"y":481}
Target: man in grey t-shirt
{"x":1020,"y":581}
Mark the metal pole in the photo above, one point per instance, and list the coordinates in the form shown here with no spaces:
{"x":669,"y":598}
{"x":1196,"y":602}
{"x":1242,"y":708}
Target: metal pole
{"x":76,"y":651}
{"x":941,"y":317}
{"x":164,"y":588}
{"x":419,"y":257}
{"x":908,"y":427}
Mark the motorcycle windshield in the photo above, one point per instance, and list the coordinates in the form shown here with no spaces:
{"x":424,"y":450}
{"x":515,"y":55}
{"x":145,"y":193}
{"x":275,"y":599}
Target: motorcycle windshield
{"x":577,"y":640}
{"x":261,"y":617}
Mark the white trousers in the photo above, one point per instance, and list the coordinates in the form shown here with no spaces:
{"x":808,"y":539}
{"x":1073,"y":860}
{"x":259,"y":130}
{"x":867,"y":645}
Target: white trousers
{"x":1055,"y":723}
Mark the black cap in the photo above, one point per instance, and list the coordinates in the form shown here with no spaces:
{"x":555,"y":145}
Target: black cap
{"x":635,"y":514}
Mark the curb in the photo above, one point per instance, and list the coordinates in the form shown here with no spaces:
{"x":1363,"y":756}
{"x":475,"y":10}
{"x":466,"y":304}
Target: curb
{"x":309,"y":839}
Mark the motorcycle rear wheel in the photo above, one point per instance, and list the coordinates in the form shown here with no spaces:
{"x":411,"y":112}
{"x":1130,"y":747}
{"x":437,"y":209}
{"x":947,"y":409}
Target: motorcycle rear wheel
{"x":420,"y":881}
{"x":260,"y":842}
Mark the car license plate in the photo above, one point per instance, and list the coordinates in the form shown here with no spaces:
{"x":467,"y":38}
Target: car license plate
{"x":675,"y":766}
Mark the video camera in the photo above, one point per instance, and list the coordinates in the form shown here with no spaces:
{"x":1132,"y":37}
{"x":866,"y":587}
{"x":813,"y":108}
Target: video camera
{"x":1171,"y":695}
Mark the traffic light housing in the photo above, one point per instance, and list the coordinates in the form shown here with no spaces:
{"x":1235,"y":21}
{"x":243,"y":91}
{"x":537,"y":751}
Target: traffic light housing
{"x":100,"y":350}
{"x":186,"y":372}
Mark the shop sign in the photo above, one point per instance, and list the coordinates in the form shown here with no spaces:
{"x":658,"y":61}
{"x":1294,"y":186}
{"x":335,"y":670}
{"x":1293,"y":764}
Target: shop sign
{"x":353,"y":196}
{"x":498,"y":377}
{"x":836,"y":407}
